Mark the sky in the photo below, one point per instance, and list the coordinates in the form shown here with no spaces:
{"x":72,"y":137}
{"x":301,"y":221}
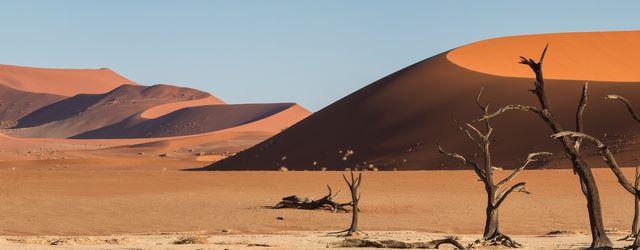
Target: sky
{"x":309,"y":52}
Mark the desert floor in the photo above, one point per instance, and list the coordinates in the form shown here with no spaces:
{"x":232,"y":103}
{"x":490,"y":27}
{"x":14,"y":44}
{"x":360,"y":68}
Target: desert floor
{"x":148,"y":204}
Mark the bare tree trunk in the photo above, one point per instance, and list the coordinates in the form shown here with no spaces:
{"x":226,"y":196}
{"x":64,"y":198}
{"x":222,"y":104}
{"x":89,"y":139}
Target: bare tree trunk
{"x":492,"y":224}
{"x":598,"y":235}
{"x":636,"y":207}
{"x":482,"y":140}
{"x":354,"y":184}
{"x":354,"y":218}
{"x":636,"y":212}
{"x":570,"y":148}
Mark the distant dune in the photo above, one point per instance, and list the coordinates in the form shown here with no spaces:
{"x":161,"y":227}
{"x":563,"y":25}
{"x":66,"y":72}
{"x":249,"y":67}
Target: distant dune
{"x":79,"y":113}
{"x":85,"y":112}
{"x":15,"y":104}
{"x":396,"y":122}
{"x":188,"y":121}
{"x":64,"y":82}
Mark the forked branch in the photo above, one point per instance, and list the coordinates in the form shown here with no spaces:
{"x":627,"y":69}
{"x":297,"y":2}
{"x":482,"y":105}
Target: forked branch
{"x":530,"y":158}
{"x":606,"y":155}
{"x":626,"y":103}
{"x":518,"y":187}
{"x":513,"y":107}
{"x":465,"y":162}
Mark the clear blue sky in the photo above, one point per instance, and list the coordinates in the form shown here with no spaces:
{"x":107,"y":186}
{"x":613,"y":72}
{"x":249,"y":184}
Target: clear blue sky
{"x":310,"y":52}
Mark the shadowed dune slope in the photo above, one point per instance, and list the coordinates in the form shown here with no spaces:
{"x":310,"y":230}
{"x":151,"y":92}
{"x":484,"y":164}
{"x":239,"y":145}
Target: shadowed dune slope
{"x":14,"y":104}
{"x":65,"y":82}
{"x":188,"y":121}
{"x":396,"y":122}
{"x":85,"y":112}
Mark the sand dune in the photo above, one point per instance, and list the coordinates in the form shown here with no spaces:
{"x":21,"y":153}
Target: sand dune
{"x":65,"y":82}
{"x":232,"y":139}
{"x":395,"y":122}
{"x":15,"y":104}
{"x":594,"y":56}
{"x":164,"y":109}
{"x":81,"y":113}
{"x":188,"y":121}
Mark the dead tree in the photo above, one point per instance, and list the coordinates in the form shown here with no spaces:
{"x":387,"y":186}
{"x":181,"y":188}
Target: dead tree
{"x":633,"y":234}
{"x":495,"y":194}
{"x":636,"y":204}
{"x":434,"y":244}
{"x":570,"y":146}
{"x":326,"y":202}
{"x":354,"y":184}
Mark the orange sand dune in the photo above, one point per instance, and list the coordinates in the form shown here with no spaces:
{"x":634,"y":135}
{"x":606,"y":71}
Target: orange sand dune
{"x":164,"y":109}
{"x":81,"y":113}
{"x":396,"y":122}
{"x":234,"y":138}
{"x":65,"y":82}
{"x":229,"y":140}
{"x":190,"y":120}
{"x":594,"y":56}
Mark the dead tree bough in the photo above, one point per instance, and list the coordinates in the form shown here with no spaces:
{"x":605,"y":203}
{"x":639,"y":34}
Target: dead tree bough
{"x":496,"y":195}
{"x":326,"y":202}
{"x":570,"y":147}
{"x":434,"y":244}
{"x":609,"y":159}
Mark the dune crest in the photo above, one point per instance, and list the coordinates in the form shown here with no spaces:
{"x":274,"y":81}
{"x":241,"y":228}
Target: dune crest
{"x":594,"y":56}
{"x":396,"y":122}
{"x":64,"y":82}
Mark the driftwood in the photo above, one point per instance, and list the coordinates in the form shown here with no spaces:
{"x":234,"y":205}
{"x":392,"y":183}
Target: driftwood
{"x":570,"y":147}
{"x":434,"y":244}
{"x":496,"y":195}
{"x":326,"y":202}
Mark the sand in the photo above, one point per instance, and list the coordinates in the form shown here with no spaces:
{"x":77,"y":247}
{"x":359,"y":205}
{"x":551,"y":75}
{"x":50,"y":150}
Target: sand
{"x":118,"y":197}
{"x":284,"y":240}
{"x":64,"y":82}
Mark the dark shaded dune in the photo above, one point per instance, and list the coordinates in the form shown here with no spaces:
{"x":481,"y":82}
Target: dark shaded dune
{"x":85,"y":112}
{"x":396,"y":122}
{"x":14,"y":104}
{"x":188,"y":121}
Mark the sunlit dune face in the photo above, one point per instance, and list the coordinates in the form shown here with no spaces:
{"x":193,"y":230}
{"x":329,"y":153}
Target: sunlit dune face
{"x":64,"y":82}
{"x":597,"y":56}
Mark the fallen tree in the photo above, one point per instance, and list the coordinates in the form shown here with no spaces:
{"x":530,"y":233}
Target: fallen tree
{"x":326,"y":202}
{"x":434,"y":244}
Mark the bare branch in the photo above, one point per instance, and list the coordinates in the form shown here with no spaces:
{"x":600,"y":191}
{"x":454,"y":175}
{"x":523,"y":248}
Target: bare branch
{"x":606,"y":155}
{"x":480,"y":134}
{"x":530,"y":158}
{"x":582,"y":105}
{"x":464,"y":162}
{"x":518,"y":187}
{"x":544,"y":52}
{"x":513,"y":107}
{"x":627,"y":103}
{"x":482,"y":107}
